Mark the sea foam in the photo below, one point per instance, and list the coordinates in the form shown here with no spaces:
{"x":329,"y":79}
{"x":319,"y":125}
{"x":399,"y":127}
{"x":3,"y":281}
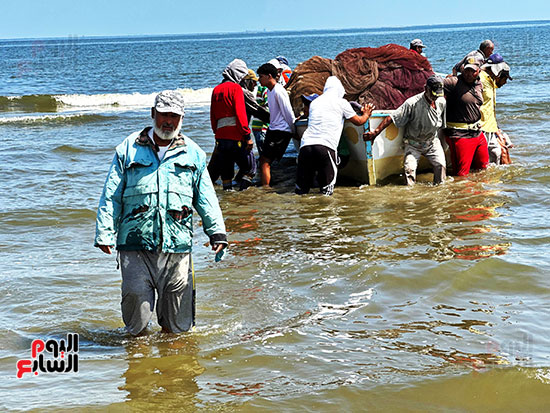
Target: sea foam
{"x":96,"y":103}
{"x":120,"y":101}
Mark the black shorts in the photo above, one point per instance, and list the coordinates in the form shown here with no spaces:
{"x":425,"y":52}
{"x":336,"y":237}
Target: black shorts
{"x":275,"y":144}
{"x":320,"y":160}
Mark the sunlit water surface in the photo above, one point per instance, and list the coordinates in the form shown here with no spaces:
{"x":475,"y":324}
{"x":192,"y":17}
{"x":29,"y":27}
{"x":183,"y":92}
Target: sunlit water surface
{"x":378,"y":298}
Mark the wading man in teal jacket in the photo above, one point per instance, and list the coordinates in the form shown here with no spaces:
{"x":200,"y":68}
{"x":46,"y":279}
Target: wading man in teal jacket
{"x":157,"y":177}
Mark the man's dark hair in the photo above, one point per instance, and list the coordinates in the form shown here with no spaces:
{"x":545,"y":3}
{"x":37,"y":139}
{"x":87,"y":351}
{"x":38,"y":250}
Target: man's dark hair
{"x":268,"y":69}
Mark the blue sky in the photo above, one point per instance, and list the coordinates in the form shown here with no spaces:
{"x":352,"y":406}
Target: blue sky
{"x":62,"y":18}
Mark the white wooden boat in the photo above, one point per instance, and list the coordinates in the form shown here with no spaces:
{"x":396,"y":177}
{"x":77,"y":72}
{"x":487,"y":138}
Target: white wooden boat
{"x":375,"y":162}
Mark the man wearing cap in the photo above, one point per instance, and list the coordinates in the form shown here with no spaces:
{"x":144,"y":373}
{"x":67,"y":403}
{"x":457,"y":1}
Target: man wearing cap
{"x":156,"y":178}
{"x":319,"y":145}
{"x":283,"y":70}
{"x":485,"y":50}
{"x":306,"y":100}
{"x":253,"y":108}
{"x":259,"y":126}
{"x":286,"y":71}
{"x":421,"y":116}
{"x":229,"y":122}
{"x":493,"y":75}
{"x":464,"y":94}
{"x":417,"y":46}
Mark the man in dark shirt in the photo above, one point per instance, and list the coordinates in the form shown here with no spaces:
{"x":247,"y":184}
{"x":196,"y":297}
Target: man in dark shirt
{"x":464,"y":136}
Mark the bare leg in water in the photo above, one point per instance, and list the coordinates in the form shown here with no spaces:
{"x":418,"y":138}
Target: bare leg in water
{"x":265,"y":168}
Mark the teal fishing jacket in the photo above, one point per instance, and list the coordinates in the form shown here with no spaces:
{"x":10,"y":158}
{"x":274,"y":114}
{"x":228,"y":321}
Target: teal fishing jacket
{"x":147,"y":204}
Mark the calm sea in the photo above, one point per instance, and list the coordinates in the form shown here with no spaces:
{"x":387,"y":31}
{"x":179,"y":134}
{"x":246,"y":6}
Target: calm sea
{"x":376,"y":299}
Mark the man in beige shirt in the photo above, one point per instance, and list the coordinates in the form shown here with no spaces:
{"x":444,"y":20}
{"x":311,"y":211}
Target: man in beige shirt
{"x":493,"y":75}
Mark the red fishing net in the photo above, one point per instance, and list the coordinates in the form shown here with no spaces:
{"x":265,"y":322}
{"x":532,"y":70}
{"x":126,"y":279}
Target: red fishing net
{"x":385,"y":76}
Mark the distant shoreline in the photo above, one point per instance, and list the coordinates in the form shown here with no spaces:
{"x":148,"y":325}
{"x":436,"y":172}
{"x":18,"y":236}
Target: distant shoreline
{"x":277,"y":33}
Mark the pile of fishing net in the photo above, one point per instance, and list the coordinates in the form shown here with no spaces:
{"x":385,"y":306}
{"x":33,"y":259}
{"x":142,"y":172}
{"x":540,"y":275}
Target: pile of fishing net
{"x":385,"y":76}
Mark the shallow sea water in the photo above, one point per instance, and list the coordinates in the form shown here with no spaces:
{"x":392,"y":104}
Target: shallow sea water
{"x":376,"y":299}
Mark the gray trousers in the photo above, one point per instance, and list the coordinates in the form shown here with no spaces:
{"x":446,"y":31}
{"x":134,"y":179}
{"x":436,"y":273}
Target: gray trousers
{"x":495,"y":151}
{"x":435,"y":155}
{"x":171,"y":276}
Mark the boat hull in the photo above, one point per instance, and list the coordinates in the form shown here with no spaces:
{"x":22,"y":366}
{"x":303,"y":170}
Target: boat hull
{"x":371,"y":163}
{"x":375,"y":162}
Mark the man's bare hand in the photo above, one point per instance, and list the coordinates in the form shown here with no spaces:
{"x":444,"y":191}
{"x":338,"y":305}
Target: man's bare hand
{"x":369,"y":136}
{"x":218,"y":247}
{"x":105,"y":248}
{"x":368,"y":108}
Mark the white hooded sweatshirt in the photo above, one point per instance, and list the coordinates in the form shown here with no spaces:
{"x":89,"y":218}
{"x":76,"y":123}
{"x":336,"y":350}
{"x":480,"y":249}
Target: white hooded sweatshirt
{"x":326,"y":116}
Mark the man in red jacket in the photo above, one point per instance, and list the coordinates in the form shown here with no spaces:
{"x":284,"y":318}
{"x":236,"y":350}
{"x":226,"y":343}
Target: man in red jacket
{"x":230,"y":126}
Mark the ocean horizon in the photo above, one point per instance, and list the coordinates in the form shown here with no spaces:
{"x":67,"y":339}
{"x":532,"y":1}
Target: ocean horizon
{"x":354,"y":30}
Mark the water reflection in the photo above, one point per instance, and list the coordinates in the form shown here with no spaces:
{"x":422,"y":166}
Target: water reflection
{"x":242,"y":221}
{"x":162,"y":371}
{"x":472,"y":217}
{"x":455,"y":220}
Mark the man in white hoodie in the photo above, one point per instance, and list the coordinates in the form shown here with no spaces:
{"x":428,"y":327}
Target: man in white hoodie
{"x":318,"y":150}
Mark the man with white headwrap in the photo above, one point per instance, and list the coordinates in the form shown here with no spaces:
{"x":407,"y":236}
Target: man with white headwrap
{"x":319,"y":146}
{"x":230,"y":125}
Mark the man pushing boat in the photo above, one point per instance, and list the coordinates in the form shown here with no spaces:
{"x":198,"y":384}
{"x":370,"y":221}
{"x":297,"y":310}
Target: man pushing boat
{"x":421,"y":116}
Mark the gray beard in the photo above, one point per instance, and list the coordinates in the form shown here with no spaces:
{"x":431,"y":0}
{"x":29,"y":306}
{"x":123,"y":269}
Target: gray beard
{"x":166,"y":136}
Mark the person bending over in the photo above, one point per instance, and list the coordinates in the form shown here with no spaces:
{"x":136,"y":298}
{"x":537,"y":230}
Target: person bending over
{"x":421,"y":116}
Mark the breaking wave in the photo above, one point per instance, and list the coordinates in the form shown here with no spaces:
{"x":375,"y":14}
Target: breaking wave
{"x":105,"y":102}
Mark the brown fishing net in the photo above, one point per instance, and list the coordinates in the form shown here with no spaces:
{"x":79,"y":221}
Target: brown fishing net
{"x":307,"y":78}
{"x":385,"y":76}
